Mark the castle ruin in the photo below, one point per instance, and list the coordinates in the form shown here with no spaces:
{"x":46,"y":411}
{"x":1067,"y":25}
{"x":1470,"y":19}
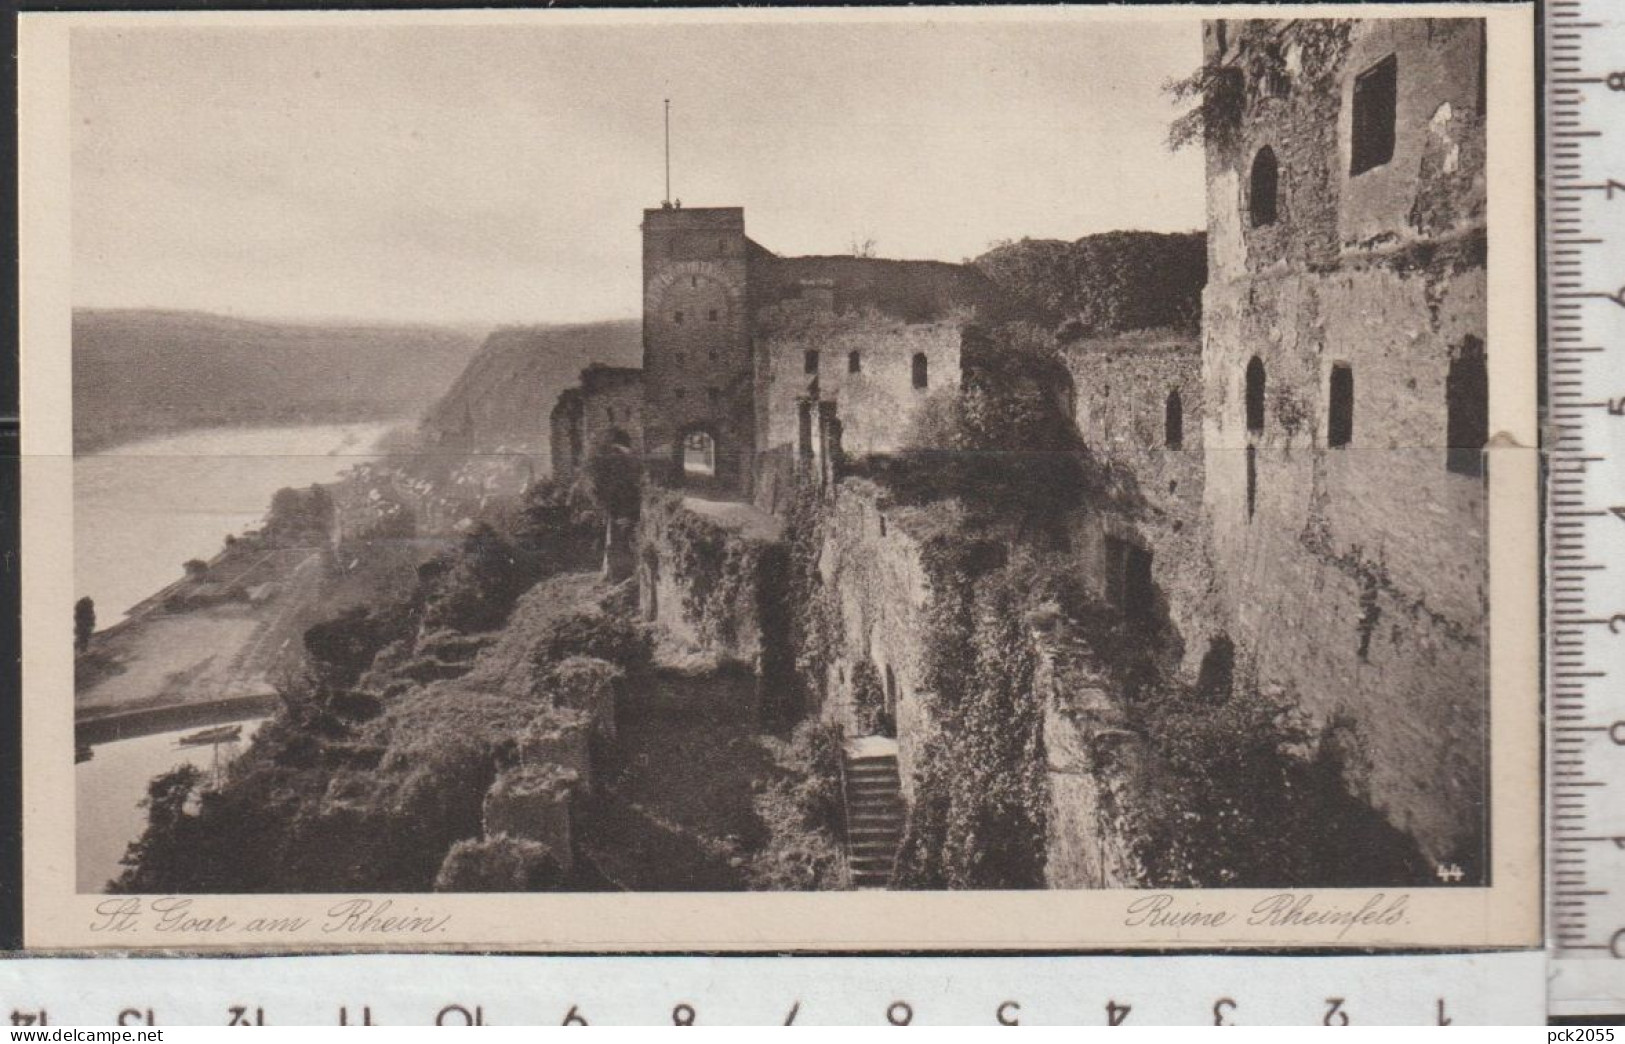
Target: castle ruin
{"x":1308,"y":511}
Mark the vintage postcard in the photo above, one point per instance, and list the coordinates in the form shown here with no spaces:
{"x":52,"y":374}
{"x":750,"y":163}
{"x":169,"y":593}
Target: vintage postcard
{"x":975,"y":479}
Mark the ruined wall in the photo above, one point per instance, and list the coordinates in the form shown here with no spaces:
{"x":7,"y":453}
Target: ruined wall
{"x":870,"y":562}
{"x":1083,"y":724}
{"x":1353,"y":575}
{"x":703,"y":577}
{"x":566,"y":445}
{"x":611,"y":407}
{"x":1125,"y":389}
{"x":877,"y":403}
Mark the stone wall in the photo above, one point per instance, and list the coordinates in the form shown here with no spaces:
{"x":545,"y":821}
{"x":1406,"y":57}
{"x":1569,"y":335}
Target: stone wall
{"x":1125,"y":389}
{"x":532,"y":802}
{"x":864,"y":363}
{"x":606,"y":408}
{"x":870,"y":564}
{"x":1353,"y":575}
{"x":566,"y":444}
{"x":1083,"y":723}
{"x":704,"y":569}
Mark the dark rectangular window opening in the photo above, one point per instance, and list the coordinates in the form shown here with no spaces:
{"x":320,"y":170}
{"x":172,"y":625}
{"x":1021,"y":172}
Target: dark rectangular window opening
{"x":1340,"y":407}
{"x":809,"y":362}
{"x":1376,"y":100}
{"x":711,"y":315}
{"x":1252,"y":481}
{"x":677,"y":318}
{"x":854,"y":362}
{"x":804,"y":430}
{"x":1467,"y":409}
{"x":1129,"y":586}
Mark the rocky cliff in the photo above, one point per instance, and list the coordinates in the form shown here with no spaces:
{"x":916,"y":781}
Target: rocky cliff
{"x":507,"y":391}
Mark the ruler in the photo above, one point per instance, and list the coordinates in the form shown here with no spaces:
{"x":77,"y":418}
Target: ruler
{"x":1585,"y":316}
{"x":428,"y":990}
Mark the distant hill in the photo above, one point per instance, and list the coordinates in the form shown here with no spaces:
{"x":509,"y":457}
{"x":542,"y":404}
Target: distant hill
{"x":506,"y":394}
{"x":138,"y":373}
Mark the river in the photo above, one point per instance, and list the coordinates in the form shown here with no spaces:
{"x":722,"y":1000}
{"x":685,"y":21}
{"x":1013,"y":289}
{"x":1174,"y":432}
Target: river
{"x":141,"y":510}
{"x":110,"y":787}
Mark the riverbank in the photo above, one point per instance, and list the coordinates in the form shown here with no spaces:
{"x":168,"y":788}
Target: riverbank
{"x":143,"y":509}
{"x":206,"y":641}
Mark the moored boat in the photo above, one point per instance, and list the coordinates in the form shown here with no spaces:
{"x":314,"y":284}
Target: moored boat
{"x":219,"y":734}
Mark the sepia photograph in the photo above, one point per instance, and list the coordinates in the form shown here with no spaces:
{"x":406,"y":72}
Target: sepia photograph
{"x":580,"y":460}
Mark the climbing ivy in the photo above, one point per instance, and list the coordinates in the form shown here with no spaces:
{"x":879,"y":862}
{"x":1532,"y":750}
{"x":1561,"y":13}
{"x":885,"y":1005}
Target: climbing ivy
{"x":715,"y":569}
{"x":981,"y":797}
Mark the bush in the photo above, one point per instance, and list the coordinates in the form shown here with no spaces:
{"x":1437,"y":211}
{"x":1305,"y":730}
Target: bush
{"x":593,"y":633}
{"x":475,"y":588}
{"x":341,"y":649}
{"x":801,"y":813}
{"x":499,"y":864}
{"x":562,"y":530}
{"x":1241,"y":794}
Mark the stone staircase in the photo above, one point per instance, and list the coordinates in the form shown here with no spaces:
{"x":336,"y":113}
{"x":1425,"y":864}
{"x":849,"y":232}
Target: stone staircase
{"x":874,"y":810}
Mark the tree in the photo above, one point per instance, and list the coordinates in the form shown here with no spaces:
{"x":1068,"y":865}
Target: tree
{"x":84,"y":623}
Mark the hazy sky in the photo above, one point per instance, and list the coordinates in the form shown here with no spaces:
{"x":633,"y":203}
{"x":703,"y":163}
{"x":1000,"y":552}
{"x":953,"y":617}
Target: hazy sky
{"x":496,"y":174}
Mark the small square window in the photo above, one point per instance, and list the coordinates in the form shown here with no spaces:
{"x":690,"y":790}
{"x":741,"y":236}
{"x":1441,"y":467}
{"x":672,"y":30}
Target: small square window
{"x":677,"y":393}
{"x":677,"y":318}
{"x":712,"y":315}
{"x":678,"y":357}
{"x":1376,"y":98}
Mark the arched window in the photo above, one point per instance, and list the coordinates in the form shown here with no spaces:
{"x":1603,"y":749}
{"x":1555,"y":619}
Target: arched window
{"x":1264,"y":188}
{"x":1340,"y":407}
{"x":699,"y":455}
{"x":1255,"y":396}
{"x":922,"y":370}
{"x":1173,"y":421}
{"x":1467,"y":409}
{"x":854,"y":362}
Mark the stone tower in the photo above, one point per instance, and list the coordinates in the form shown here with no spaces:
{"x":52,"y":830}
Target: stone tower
{"x":698,"y":371}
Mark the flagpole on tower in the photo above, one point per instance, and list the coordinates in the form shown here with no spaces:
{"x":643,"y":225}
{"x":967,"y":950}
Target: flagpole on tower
{"x":668,"y":151}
